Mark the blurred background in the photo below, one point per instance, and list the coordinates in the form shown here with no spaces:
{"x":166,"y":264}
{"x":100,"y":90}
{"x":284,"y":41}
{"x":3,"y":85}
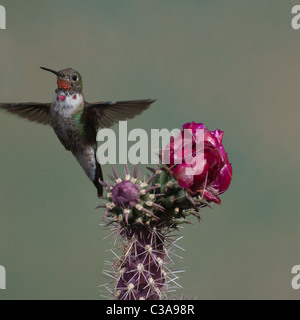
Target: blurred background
{"x":233,"y":65}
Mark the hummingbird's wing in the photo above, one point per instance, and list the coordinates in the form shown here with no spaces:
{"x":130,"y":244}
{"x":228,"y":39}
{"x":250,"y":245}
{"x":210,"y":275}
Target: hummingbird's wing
{"x":33,"y":111}
{"x":105,"y":114}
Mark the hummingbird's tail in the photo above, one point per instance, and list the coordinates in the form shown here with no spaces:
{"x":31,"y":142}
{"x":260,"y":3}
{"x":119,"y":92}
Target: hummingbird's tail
{"x":87,"y":158}
{"x":99,"y":176}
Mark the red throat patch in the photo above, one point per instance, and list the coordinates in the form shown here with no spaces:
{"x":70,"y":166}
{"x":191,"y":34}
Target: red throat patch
{"x":64,"y":85}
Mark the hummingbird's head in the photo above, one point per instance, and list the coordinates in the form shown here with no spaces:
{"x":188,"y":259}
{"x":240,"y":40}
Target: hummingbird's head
{"x":67,"y":79}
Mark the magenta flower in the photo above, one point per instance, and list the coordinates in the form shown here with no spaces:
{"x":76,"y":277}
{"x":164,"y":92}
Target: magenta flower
{"x":204,"y":167}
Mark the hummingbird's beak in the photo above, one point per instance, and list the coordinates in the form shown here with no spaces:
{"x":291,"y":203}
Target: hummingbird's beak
{"x":55,"y":72}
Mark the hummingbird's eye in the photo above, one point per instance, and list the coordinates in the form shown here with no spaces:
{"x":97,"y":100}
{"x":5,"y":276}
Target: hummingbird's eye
{"x":74,"y":78}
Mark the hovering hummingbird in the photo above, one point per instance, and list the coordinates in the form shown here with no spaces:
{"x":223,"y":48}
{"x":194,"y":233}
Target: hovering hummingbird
{"x":76,"y":121}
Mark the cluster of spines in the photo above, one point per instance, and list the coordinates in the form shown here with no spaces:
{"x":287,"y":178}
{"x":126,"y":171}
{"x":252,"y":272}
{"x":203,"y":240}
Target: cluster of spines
{"x":141,"y":273}
{"x":162,"y":201}
{"x":146,"y":209}
{"x":178,"y":202}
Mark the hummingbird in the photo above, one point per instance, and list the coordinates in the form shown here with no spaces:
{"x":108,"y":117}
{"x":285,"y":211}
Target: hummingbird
{"x":76,"y":121}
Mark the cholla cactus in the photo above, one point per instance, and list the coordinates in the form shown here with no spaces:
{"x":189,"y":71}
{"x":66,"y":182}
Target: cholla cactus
{"x":144,"y":212}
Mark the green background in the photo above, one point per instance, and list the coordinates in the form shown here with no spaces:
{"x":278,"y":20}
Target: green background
{"x":233,"y":65}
